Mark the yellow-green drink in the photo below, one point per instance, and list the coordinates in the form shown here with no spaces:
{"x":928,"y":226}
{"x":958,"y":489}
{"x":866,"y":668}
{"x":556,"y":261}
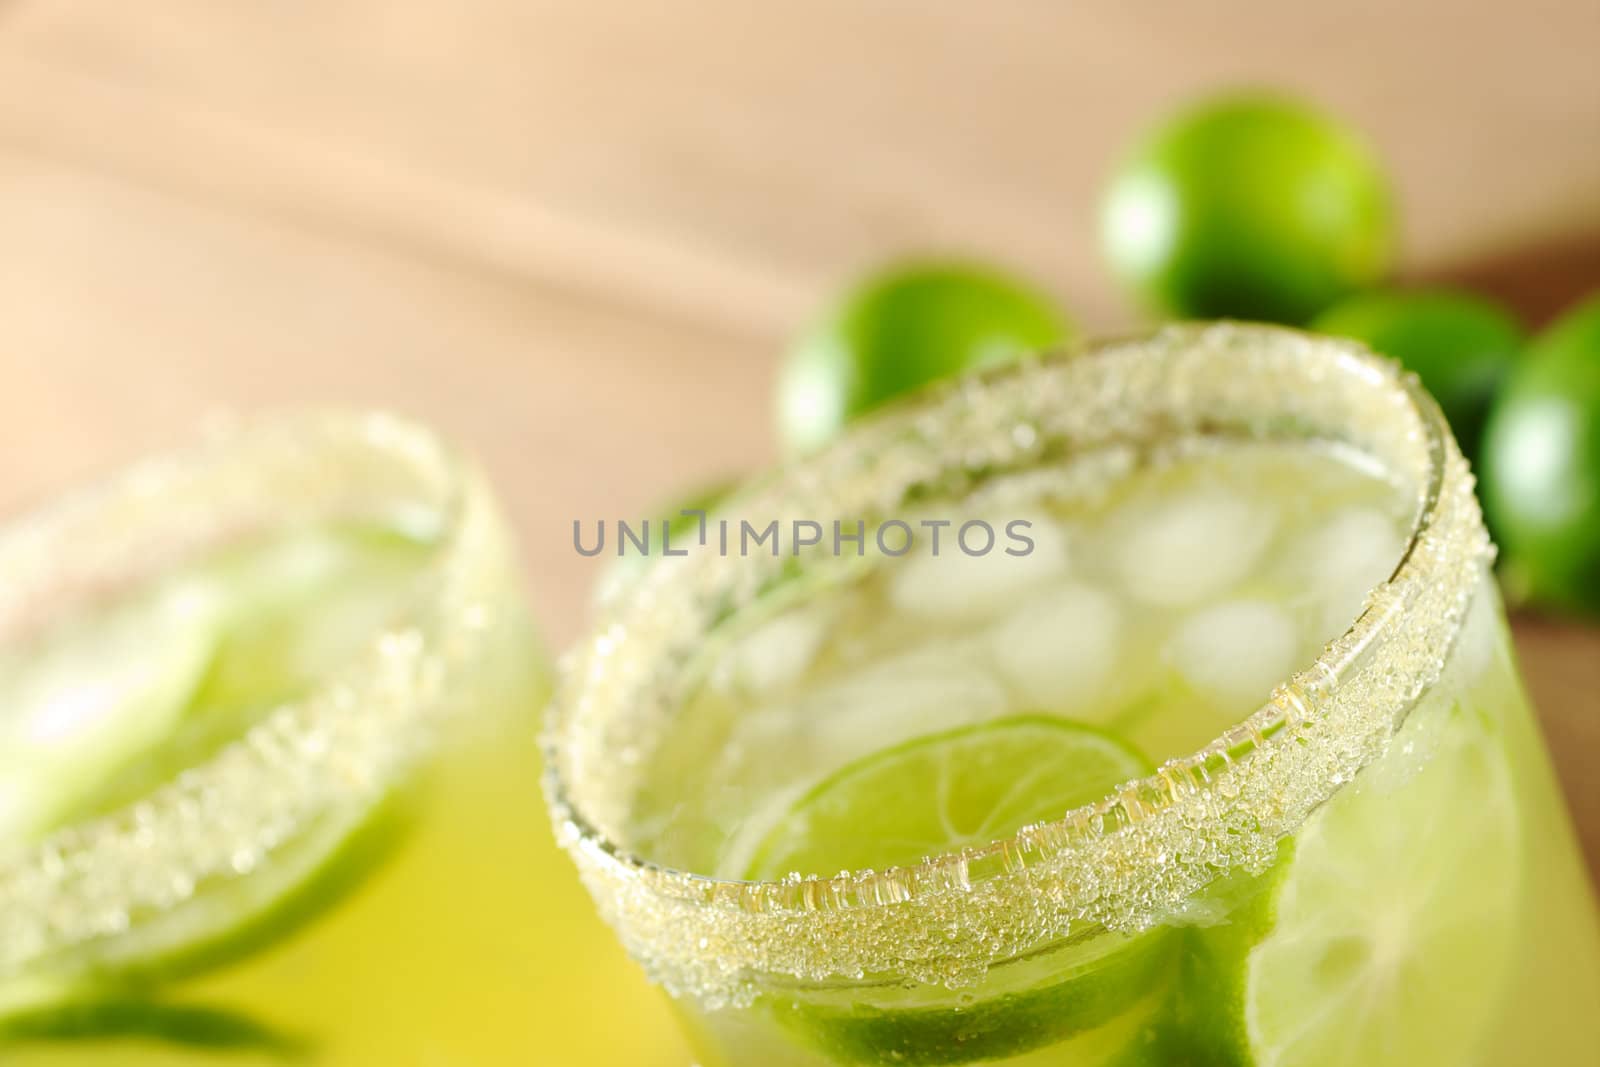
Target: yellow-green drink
{"x":1225,"y":762}
{"x":268,"y":718}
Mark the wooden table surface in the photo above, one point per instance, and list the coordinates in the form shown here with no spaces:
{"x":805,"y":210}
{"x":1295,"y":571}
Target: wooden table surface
{"x":575,"y":236}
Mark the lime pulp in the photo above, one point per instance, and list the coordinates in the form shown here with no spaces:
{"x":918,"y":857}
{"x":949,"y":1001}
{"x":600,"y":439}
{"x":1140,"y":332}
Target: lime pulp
{"x":938,"y":794}
{"x":945,"y":792}
{"x":1395,"y":911}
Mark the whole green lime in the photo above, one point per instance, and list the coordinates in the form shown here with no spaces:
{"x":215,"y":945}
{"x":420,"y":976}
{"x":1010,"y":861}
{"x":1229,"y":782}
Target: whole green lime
{"x":1541,"y":459}
{"x":901,"y":329}
{"x":1462,"y":346}
{"x":1248,"y":205}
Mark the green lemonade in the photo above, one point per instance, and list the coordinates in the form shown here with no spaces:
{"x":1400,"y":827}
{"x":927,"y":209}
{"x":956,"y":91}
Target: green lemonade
{"x":857,"y":759}
{"x":341,"y":701}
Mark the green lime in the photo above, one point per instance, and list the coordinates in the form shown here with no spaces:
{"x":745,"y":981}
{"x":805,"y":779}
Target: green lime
{"x":668,"y":528}
{"x":943,"y":792}
{"x":1248,"y":205}
{"x":1541,"y":464}
{"x":900,"y":330}
{"x":1386,"y":936}
{"x":1462,"y":346}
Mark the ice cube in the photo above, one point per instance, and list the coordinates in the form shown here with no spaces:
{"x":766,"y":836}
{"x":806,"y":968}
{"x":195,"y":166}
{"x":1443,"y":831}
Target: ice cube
{"x":1233,"y":653}
{"x":1343,"y":559}
{"x":776,"y":653}
{"x":934,"y":687}
{"x":1480,"y":640}
{"x":69,"y":709}
{"x":748,"y":834}
{"x":1058,"y":651}
{"x":1185,"y":547}
{"x":937,"y":687}
{"x":956,"y":585}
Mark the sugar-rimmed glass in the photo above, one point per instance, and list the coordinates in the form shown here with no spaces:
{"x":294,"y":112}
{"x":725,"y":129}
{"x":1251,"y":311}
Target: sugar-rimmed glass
{"x":329,"y":882}
{"x":784,"y":971}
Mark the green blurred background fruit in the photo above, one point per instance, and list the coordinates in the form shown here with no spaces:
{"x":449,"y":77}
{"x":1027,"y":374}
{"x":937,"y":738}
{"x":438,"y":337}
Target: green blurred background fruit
{"x":902,"y":328}
{"x":1256,"y":205}
{"x":1248,"y":205}
{"x":1461,"y":345}
{"x":1541,"y":460}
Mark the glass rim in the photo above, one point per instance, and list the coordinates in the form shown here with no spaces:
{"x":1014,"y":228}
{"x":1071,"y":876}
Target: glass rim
{"x":1222,"y":807}
{"x":344,"y":740}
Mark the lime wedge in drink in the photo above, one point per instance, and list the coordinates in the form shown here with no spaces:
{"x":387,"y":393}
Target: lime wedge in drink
{"x":104,"y":710}
{"x":1202,"y":1024}
{"x":937,"y":794}
{"x":1088,"y":1000}
{"x":1384,"y":933}
{"x":84,"y":701}
{"x":945,"y":792}
{"x":123,"y":702}
{"x":70,"y":992}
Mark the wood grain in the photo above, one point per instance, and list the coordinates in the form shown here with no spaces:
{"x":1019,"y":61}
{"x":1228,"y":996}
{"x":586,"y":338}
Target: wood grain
{"x":736,"y":159}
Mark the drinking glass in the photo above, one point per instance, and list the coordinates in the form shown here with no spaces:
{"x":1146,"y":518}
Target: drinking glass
{"x":268,"y":721}
{"x":1371,"y":867}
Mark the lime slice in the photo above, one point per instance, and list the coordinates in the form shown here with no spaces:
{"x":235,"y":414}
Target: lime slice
{"x":240,"y":917}
{"x":945,"y":792}
{"x":1394,"y":923}
{"x":1203,"y":1023}
{"x":222,"y":923}
{"x":289,"y":612}
{"x":88,"y":699}
{"x":102,"y":710}
{"x":937,"y":794}
{"x":1087,"y":999}
{"x":276,"y":617}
